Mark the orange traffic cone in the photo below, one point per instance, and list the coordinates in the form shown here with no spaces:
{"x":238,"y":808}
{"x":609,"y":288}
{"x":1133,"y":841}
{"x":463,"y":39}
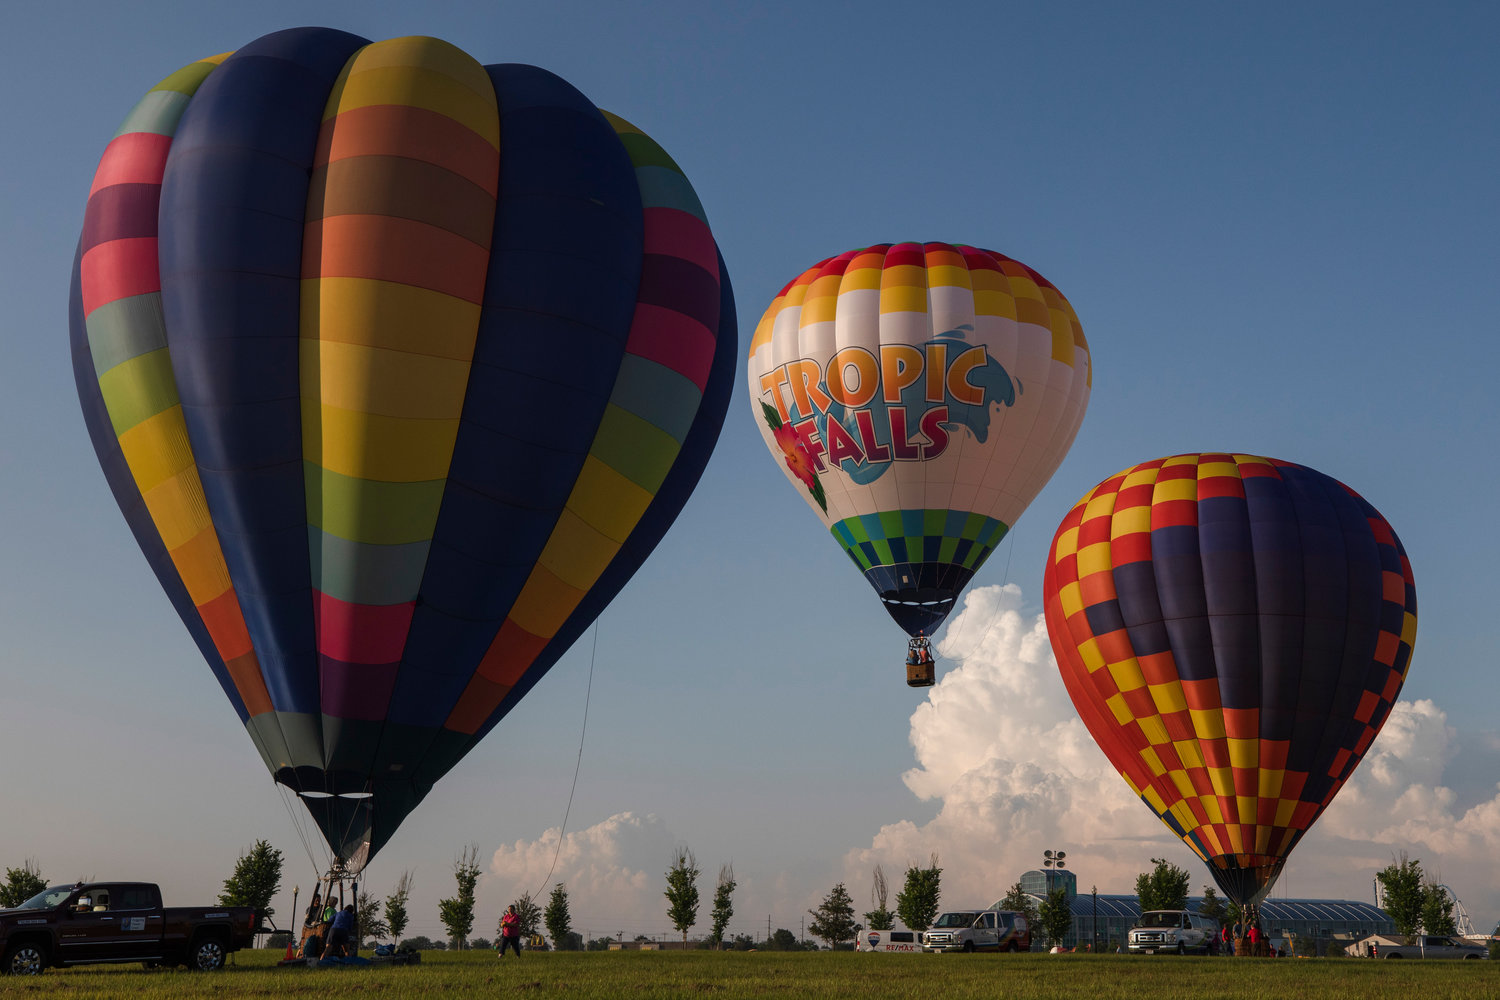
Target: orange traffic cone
{"x":288,"y":950}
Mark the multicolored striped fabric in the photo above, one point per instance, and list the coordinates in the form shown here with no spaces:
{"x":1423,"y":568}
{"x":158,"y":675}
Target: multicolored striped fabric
{"x":399,"y":366}
{"x":1234,"y":631}
{"x":919,"y":396}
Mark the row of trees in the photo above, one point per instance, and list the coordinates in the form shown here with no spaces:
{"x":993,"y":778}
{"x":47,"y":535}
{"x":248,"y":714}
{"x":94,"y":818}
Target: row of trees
{"x":1413,"y":901}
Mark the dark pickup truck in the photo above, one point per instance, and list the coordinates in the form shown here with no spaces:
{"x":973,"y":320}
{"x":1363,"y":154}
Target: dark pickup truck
{"x":118,"y":922}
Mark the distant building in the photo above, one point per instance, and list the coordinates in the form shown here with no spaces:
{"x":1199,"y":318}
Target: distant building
{"x":1339,"y":921}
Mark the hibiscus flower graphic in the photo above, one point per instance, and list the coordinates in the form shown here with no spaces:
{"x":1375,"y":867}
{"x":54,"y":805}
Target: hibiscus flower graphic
{"x":796,"y":455}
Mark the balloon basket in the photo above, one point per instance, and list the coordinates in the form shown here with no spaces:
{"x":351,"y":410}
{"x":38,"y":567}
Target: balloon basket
{"x":921,"y":669}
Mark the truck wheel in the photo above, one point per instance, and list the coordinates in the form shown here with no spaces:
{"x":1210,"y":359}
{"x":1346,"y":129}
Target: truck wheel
{"x":968,"y":947}
{"x":25,"y":959}
{"x":1394,"y":954}
{"x":207,"y":955}
{"x":1013,"y":948}
{"x":1181,"y":948}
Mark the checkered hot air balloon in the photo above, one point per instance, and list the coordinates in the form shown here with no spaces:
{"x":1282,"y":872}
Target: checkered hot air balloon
{"x":919,"y":396}
{"x":1233,"y":630}
{"x":398,"y":365}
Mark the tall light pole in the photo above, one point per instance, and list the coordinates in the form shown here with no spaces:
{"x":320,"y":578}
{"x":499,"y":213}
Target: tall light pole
{"x":1094,"y":891}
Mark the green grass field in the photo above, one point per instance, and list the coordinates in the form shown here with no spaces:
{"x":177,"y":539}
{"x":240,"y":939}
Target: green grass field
{"x":734,"y":975}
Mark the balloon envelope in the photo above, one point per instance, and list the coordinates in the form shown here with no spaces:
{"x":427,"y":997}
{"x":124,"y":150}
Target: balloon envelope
{"x":1233,"y":631}
{"x":398,"y":366}
{"x":919,"y":396}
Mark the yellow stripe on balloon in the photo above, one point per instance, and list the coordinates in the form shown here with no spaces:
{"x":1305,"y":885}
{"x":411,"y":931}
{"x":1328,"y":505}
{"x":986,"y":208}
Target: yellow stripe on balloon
{"x":1208,"y":724}
{"x":608,"y":500}
{"x":179,"y":511}
{"x":577,"y":553}
{"x":389,"y":314}
{"x":1130,"y":521}
{"x":371,"y":446}
{"x":860,"y":279}
{"x":419,"y":72}
{"x":545,"y":602}
{"x":1175,"y":489}
{"x":200,"y":563}
{"x":1127,"y":675}
{"x":903,"y":298}
{"x":391,"y":383}
{"x":1244,"y":754}
{"x":157,"y":448}
{"x":1138,"y":477}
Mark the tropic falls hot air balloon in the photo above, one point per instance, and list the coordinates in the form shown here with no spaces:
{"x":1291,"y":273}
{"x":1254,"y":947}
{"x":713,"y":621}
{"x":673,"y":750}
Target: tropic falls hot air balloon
{"x":398,"y":366}
{"x":919,"y":396}
{"x":1233,"y":631}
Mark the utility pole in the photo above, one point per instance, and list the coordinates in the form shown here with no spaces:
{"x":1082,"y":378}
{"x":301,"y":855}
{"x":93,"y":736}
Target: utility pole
{"x":768,"y":928}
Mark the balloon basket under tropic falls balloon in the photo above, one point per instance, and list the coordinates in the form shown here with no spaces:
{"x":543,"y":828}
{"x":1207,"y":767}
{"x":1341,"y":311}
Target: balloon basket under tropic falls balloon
{"x":920,"y":667}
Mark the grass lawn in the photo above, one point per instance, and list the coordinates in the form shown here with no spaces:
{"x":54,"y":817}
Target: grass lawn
{"x":733,"y":975}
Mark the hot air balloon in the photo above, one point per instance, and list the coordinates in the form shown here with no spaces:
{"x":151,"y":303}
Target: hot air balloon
{"x":918,"y":397}
{"x":398,"y":366}
{"x":1233,"y":630}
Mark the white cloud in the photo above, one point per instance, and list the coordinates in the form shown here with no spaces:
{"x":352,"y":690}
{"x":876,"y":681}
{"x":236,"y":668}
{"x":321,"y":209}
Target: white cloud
{"x":611,"y":867}
{"x":1000,"y":746}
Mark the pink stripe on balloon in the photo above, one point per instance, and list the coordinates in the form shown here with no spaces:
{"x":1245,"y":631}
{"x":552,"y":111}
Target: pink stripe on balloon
{"x":362,"y":633}
{"x":117,"y":270}
{"x":671,"y":339}
{"x":676,"y":233}
{"x":133,"y":158}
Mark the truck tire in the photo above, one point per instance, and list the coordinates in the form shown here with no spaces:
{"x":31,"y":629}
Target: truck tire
{"x":1181,"y":948}
{"x":25,"y":958}
{"x":1393,"y":954}
{"x":1013,"y":948}
{"x":968,"y":947}
{"x":207,"y":954}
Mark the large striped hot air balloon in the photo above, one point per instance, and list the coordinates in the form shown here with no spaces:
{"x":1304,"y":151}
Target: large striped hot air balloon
{"x":919,"y":396}
{"x":1233,"y":631}
{"x":398,"y":366}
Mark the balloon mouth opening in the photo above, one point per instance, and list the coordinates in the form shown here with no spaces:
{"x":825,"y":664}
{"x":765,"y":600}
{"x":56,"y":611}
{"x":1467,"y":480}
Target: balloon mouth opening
{"x":919,"y":604}
{"x":337,"y":795}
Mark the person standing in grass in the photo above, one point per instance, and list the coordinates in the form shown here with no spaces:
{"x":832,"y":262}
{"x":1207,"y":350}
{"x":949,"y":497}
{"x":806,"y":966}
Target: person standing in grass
{"x":510,"y":931}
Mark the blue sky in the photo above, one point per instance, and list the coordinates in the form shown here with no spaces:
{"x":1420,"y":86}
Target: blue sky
{"x":1276,"y":223}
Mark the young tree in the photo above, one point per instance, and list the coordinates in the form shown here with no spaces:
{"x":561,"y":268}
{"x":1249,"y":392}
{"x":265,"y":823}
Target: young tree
{"x":256,"y":879}
{"x":1232,"y":914}
{"x":559,"y":921}
{"x":457,"y":913}
{"x":1212,"y":906}
{"x":1437,"y":910}
{"x":783,"y":940}
{"x":396,"y":917}
{"x":367,"y":919}
{"x":1021,"y":901}
{"x":1165,"y":887}
{"x":723,"y":910}
{"x":682,"y":891}
{"x":917,"y":902}
{"x":833,"y":920}
{"x":1056,"y":915}
{"x":21,"y":884}
{"x":528,"y":917}
{"x":880,"y":918}
{"x":1401,"y":881}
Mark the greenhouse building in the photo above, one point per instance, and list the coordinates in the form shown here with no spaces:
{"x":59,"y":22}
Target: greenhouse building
{"x":1303,"y":925}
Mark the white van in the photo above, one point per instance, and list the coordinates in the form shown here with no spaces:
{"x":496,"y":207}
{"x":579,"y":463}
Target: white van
{"x":1177,"y":931}
{"x":978,"y":930}
{"x":898,"y":938}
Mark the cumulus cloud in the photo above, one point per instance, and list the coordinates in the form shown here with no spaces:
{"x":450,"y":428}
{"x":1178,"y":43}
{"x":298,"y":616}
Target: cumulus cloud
{"x":999,"y":746}
{"x":612,"y":865}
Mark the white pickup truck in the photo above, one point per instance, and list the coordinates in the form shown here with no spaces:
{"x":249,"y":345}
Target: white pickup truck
{"x":1433,"y":946}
